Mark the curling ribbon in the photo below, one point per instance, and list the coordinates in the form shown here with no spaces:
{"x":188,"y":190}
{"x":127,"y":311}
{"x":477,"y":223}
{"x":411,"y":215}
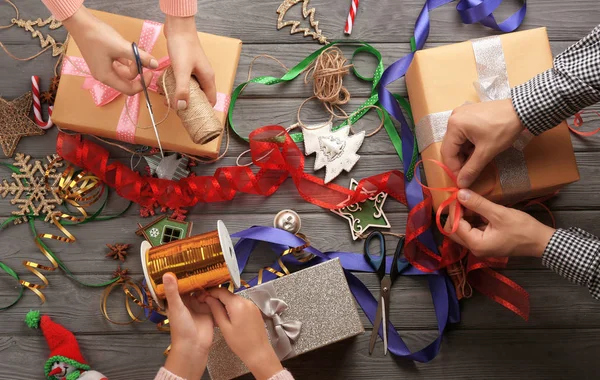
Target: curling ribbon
{"x":8,"y":270}
{"x":156,"y":315}
{"x":79,"y":190}
{"x":356,"y":115}
{"x":578,"y":122}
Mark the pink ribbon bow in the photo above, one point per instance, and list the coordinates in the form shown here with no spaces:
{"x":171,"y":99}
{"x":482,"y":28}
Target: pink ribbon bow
{"x":103,"y":94}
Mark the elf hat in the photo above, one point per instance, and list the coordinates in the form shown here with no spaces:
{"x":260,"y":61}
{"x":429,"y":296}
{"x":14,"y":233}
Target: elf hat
{"x":62,"y":343}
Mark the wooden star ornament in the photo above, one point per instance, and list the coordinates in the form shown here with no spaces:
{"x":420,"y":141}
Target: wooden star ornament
{"x":366,"y":214}
{"x":15,"y":122}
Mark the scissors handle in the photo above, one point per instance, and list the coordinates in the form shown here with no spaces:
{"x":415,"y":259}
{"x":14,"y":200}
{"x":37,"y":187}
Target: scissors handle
{"x":140,"y":69}
{"x":397,"y":265}
{"x":377,"y":262}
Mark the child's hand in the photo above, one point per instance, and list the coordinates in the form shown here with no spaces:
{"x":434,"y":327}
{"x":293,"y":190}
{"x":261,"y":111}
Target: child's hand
{"x":244,"y":331}
{"x":191,"y":331}
{"x":187,"y":58}
{"x":108,"y":55}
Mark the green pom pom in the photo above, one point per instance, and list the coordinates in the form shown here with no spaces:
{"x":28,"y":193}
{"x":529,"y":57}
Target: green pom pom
{"x":32,"y":319}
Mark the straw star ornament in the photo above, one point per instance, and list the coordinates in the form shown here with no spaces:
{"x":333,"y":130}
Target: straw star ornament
{"x":15,"y":122}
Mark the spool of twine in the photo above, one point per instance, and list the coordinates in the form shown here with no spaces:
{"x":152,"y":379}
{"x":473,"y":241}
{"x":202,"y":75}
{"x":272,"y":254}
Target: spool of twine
{"x":199,"y":117}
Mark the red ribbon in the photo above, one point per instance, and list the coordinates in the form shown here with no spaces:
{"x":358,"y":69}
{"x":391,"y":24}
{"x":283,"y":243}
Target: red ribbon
{"x":578,"y":122}
{"x":479,"y":272}
{"x":453,"y":190}
{"x":273,"y":151}
{"x":496,"y":286}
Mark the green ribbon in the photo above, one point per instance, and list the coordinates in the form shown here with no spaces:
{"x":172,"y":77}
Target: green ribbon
{"x":295,"y":71}
{"x":31,"y":220}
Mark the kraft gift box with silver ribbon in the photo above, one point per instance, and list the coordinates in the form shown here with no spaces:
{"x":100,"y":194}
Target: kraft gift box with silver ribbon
{"x":443,"y":78}
{"x":303,"y":311}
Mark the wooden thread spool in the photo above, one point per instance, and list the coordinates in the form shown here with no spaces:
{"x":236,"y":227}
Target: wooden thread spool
{"x":198,"y":118}
{"x":199,"y":262}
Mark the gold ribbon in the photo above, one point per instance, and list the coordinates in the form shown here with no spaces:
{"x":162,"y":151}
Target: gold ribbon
{"x":80,"y":190}
{"x":126,"y":286}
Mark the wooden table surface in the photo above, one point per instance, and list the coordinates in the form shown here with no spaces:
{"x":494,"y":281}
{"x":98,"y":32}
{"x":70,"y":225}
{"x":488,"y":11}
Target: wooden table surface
{"x":561,"y":339}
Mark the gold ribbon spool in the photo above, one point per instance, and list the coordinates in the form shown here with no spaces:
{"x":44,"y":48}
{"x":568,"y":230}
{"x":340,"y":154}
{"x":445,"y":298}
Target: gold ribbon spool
{"x":199,"y":262}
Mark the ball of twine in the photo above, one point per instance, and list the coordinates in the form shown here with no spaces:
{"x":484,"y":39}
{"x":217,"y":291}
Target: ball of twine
{"x":199,"y":118}
{"x":327,"y":74}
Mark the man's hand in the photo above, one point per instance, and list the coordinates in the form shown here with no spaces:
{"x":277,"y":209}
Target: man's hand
{"x":476,"y":134}
{"x":508,"y":232}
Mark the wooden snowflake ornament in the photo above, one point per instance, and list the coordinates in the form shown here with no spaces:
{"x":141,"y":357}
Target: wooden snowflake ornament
{"x":336,"y":150}
{"x":34,"y":190}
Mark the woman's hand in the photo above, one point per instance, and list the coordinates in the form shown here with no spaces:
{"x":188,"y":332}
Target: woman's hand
{"x":191,"y":331}
{"x":108,"y":55}
{"x":187,"y":58}
{"x":243,"y":328}
{"x":508,"y":232}
{"x":476,"y":134}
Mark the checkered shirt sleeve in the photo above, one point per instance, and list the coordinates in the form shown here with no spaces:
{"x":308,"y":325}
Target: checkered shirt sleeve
{"x":575,"y":255}
{"x":554,"y":95}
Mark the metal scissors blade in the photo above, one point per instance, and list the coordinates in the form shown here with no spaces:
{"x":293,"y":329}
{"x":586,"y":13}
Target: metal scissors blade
{"x":378,"y":318}
{"x":140,"y":68}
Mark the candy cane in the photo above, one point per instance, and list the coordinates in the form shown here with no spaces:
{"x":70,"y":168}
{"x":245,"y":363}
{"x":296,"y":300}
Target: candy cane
{"x":351,"y":16}
{"x":37,"y":105}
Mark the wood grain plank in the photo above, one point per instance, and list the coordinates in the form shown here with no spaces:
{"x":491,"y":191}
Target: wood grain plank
{"x":393,"y":23}
{"x":464,"y":354}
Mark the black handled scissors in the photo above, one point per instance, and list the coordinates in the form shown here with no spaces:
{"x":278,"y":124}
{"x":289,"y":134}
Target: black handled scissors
{"x":140,"y":69}
{"x":377,"y":262}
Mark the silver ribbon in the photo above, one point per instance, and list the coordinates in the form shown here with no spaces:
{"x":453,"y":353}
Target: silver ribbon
{"x":492,"y":84}
{"x":285,"y":332}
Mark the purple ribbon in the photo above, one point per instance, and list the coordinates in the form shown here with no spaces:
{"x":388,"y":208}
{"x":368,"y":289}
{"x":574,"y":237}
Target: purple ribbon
{"x":442,"y":290}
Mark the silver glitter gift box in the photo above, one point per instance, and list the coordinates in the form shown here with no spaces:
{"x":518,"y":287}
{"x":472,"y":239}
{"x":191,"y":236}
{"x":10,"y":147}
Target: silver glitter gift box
{"x":318,"y":297}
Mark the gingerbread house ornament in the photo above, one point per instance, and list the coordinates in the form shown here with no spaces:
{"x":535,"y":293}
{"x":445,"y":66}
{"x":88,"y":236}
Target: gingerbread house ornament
{"x":164,"y":230}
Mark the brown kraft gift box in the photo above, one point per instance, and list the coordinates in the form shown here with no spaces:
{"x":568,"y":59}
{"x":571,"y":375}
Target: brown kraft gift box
{"x":75,"y":109}
{"x":443,"y":78}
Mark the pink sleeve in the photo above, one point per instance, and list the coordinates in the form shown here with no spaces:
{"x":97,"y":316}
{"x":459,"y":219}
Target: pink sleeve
{"x":181,"y":8}
{"x":63,"y":9}
{"x":283,"y":375}
{"x":165,"y":374}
